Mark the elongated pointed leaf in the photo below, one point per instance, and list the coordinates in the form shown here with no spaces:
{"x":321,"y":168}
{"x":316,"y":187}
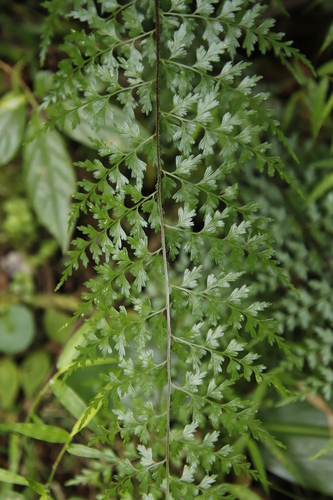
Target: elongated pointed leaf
{"x":305,"y":432}
{"x":80,"y":450}
{"x":328,"y":38}
{"x":50,"y":182}
{"x":84,"y":419}
{"x":242,"y":492}
{"x":71,"y":401}
{"x":318,"y":106}
{"x":11,"y":495}
{"x":258,"y":463}
{"x":321,"y":188}
{"x":12,"y":122}
{"x":325,"y":69}
{"x":9,"y":383}
{"x":7,"y":476}
{"x":48,"y":433}
{"x":328,"y":447}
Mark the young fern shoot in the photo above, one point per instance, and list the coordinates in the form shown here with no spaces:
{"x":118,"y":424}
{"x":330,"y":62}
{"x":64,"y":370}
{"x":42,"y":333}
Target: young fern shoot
{"x":172,"y":248}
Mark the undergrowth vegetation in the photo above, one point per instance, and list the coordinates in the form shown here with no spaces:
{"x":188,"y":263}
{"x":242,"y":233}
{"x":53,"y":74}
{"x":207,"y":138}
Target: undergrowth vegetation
{"x":203,"y":233}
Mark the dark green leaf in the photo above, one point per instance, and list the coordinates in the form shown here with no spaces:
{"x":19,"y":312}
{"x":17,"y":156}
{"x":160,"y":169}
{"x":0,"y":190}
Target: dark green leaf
{"x":17,"y":329}
{"x":50,"y":182}
{"x":12,"y":122}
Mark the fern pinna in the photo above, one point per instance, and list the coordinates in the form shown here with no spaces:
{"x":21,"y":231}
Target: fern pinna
{"x":171,"y":246}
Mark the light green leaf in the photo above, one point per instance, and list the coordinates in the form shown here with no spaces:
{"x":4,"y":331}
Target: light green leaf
{"x":33,"y":371}
{"x":54,"y":324}
{"x":85,"y":419}
{"x":39,"y":488}
{"x":328,"y":38}
{"x":17,"y":329}
{"x":325,"y":69}
{"x":76,"y":498}
{"x":328,"y":447}
{"x":50,"y":181}
{"x":322,"y":163}
{"x":242,"y":492}
{"x":9,"y":383}
{"x":320,"y":108}
{"x":321,"y":188}
{"x":7,"y":476}
{"x":43,"y":82}
{"x":258,"y":463}
{"x":80,"y":450}
{"x":48,"y":433}
{"x":12,"y":122}
{"x":11,"y":495}
{"x":70,"y":352}
{"x":71,"y":401}
{"x":147,"y":456}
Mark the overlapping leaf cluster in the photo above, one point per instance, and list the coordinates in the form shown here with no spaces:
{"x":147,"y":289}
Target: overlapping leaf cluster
{"x":177,"y":311}
{"x":304,"y":248}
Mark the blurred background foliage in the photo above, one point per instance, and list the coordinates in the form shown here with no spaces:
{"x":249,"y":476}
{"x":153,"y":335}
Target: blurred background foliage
{"x":33,"y":239}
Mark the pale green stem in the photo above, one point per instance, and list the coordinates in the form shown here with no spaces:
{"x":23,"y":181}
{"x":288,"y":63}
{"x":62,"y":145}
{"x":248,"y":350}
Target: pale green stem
{"x":164,"y":252}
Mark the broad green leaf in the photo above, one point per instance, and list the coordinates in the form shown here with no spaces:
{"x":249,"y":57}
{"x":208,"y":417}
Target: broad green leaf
{"x":11,"y":495}
{"x":17,"y":329}
{"x":12,"y":123}
{"x":76,"y":498}
{"x":71,"y":401}
{"x":42,"y":83}
{"x":50,"y":181}
{"x":242,"y":492}
{"x":7,"y":476}
{"x":54,"y":322}
{"x":85,"y":380}
{"x":325,"y":69}
{"x":304,"y":430}
{"x":39,"y":488}
{"x":83,"y":131}
{"x":318,"y":95}
{"x":87,"y":452}
{"x":48,"y":433}
{"x":9,"y":383}
{"x":84,"y":420}
{"x":70,"y":352}
{"x":33,"y":371}
{"x":321,"y":188}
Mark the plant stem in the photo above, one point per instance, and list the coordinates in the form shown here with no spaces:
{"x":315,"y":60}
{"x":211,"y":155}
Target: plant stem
{"x":57,"y":462}
{"x":17,"y":78}
{"x":165,"y":259}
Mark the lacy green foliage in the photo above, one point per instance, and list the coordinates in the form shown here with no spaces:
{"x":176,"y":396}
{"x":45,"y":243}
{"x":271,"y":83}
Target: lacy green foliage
{"x":172,"y":245}
{"x":304,"y":247}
